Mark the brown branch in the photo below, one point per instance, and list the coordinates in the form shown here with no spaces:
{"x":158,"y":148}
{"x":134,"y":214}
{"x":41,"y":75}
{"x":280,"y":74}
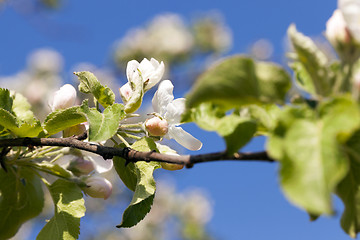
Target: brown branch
{"x":131,"y":155}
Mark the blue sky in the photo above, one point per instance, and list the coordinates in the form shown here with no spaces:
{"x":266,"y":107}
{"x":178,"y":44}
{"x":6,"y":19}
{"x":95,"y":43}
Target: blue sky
{"x":248,"y":203}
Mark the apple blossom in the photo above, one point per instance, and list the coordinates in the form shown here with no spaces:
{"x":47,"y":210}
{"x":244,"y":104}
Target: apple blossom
{"x":98,"y":187}
{"x":81,"y":166}
{"x":351,"y":12}
{"x":63,"y":98}
{"x":141,"y":76}
{"x":171,"y":110}
{"x":336,"y":29}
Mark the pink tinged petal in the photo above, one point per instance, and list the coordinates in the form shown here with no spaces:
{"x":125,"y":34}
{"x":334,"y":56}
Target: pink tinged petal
{"x":163,"y":96}
{"x":125,"y":92}
{"x":174,"y":110}
{"x":184,"y":138}
{"x":63,"y":98}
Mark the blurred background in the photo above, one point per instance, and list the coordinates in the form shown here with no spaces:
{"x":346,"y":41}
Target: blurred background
{"x":43,"y":41}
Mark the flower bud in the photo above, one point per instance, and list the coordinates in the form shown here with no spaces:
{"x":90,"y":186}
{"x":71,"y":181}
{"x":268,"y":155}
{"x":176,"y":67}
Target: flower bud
{"x":98,"y":187}
{"x":63,"y":98}
{"x":125,"y":92}
{"x":156,"y":126}
{"x":341,"y":38}
{"x":336,"y":29}
{"x":171,"y":166}
{"x":81,"y":166}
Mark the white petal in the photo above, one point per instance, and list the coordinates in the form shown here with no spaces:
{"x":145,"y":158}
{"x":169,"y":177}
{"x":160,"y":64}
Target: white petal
{"x":163,"y":96}
{"x":63,"y":98}
{"x":131,"y":68}
{"x":174,"y":111}
{"x":101,"y":165}
{"x":152,"y":72}
{"x":184,"y":138}
{"x":351,"y":13}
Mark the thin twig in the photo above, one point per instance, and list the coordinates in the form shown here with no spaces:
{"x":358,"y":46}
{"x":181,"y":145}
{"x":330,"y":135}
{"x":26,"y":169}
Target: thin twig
{"x":131,"y":155}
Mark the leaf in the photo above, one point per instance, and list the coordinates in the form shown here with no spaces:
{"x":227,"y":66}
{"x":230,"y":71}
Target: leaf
{"x":21,"y":198}
{"x":236,"y":131}
{"x":69,"y":208}
{"x":6,"y":101}
{"x":63,"y":118}
{"x":302,"y":78}
{"x":103,"y":126}
{"x":126,"y":173}
{"x":145,"y":187}
{"x":312,"y":159}
{"x":264,"y":115}
{"x":349,"y":188}
{"x":313,"y":60}
{"x":349,"y":192}
{"x":9,"y":121}
{"x":90,"y":84}
{"x":238,"y":81}
{"x":54,"y":168}
{"x":22,"y":109}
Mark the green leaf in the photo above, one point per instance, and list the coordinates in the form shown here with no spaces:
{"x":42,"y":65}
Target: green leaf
{"x":69,"y":208}
{"x":22,"y":109}
{"x":236,"y":132}
{"x":145,"y":187}
{"x":9,"y":121}
{"x":313,"y":61}
{"x":238,"y":81}
{"x":126,"y":173}
{"x":264,"y":115}
{"x":90,"y":84}
{"x":312,"y":159}
{"x":349,"y":188}
{"x":64,"y":118}
{"x":54,"y":168}
{"x":103,"y":126}
{"x":21,"y":198}
{"x":302,"y":78}
{"x":6,"y":101}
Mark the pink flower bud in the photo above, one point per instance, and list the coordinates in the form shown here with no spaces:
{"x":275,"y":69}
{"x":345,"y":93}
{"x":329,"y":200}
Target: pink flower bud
{"x":336,"y":29}
{"x":81,"y":166}
{"x":156,"y":126}
{"x":125,"y":92}
{"x":98,"y":187}
{"x":63,"y":98}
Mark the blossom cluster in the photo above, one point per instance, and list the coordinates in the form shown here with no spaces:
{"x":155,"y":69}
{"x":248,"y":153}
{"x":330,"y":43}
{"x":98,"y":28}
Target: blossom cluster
{"x":163,"y":122}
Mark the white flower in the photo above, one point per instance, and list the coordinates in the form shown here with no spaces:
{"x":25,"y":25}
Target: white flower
{"x":171,"y":110}
{"x":98,"y":187}
{"x":151,"y":71}
{"x":63,"y":98}
{"x":351,"y":12}
{"x":336,"y":29}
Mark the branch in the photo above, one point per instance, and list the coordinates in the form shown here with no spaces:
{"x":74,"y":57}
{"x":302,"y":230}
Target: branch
{"x":131,"y":155}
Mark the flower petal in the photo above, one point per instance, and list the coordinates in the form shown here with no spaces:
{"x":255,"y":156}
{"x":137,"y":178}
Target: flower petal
{"x":184,"y":138}
{"x":100,"y":164}
{"x":152,"y":71}
{"x":131,"y":69}
{"x":174,"y":110}
{"x":163,"y":96}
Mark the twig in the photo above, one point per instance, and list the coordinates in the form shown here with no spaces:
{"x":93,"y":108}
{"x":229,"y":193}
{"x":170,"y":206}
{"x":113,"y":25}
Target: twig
{"x":131,"y":155}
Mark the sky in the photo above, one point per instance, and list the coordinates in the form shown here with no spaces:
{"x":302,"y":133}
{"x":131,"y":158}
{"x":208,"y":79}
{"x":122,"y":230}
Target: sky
{"x":247,"y":200}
